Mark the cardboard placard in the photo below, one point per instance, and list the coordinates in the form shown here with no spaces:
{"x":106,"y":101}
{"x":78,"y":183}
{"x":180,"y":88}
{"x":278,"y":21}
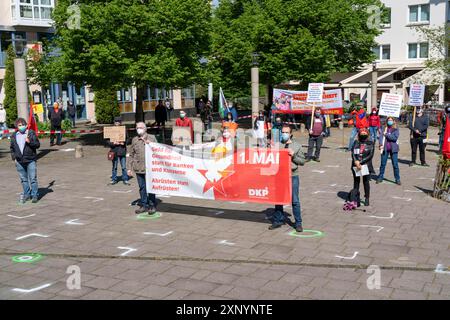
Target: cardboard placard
{"x":315,"y":93}
{"x":416,"y":95}
{"x":390,"y":105}
{"x":115,"y":133}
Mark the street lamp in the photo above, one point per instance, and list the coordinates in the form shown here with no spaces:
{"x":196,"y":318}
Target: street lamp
{"x":255,"y":83}
{"x":374,"y":89}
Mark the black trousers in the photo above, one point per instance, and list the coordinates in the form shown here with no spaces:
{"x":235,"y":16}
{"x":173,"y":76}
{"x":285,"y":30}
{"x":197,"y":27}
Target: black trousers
{"x":366,"y":183}
{"x":414,"y":143}
{"x":318,"y":142}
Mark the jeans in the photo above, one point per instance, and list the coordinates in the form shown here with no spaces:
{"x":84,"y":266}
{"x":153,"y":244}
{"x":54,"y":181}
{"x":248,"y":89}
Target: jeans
{"x":414,"y":143}
{"x":278,"y":216}
{"x":115,"y":164}
{"x":28,"y":178}
{"x":72,"y":119}
{"x":394,"y":158}
{"x":58,"y":135}
{"x":318,"y":142}
{"x":147,"y":199}
{"x":373,"y":134}
{"x":352,"y":138}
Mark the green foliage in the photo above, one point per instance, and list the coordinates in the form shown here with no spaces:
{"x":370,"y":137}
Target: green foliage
{"x":302,"y":40}
{"x":439,"y":43}
{"x":10,"y":102}
{"x":106,"y":105}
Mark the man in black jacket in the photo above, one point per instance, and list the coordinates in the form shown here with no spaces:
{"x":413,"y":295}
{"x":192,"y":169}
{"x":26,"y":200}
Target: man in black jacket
{"x":418,"y":133}
{"x":56,"y":116}
{"x":24,"y":144}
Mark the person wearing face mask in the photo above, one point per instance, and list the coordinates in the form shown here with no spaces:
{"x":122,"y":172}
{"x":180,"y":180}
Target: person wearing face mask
{"x":136,"y":164}
{"x":230,"y":124}
{"x":297,"y":159}
{"x":362,"y":154}
{"x":56,"y":116}
{"x":374,"y":124}
{"x":206,"y":116}
{"x":418,"y":128}
{"x":276,"y":130}
{"x":316,"y":133}
{"x":184,"y":121}
{"x":3,"y":125}
{"x":389,"y":146}
{"x":261,"y":127}
{"x":23,"y":146}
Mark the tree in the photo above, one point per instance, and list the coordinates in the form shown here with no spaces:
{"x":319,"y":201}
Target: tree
{"x":439,"y":42}
{"x":10,"y":101}
{"x":106,"y":105}
{"x":304,"y":40}
{"x":135,"y":42}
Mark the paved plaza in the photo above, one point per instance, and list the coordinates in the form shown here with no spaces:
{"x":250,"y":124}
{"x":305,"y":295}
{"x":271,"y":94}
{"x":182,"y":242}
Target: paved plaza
{"x":199,"y":249}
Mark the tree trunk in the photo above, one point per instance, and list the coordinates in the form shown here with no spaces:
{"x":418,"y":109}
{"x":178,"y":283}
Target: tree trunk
{"x":269,"y":94}
{"x":139,"y":115}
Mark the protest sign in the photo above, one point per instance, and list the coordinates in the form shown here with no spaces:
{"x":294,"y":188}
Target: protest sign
{"x":115,"y":133}
{"x":38,"y":108}
{"x":315,"y":93}
{"x":253,"y":175}
{"x":181,"y":136}
{"x":416,"y":95}
{"x":390,"y":105}
{"x":289,"y":101}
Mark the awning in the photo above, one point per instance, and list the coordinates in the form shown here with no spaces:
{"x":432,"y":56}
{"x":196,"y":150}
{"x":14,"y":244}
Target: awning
{"x":429,"y":77}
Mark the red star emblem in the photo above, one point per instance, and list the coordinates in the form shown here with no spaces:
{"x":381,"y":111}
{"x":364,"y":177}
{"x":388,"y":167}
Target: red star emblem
{"x":217,"y":185}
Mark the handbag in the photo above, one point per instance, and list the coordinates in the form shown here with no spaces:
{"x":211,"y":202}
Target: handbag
{"x":111,"y":155}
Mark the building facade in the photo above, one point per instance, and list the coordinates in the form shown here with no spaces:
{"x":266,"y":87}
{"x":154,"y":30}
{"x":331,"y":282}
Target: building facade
{"x":28,"y":22}
{"x":401,"y":54}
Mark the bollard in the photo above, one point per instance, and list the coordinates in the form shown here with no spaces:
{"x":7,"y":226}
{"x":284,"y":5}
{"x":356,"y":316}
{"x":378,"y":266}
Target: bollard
{"x":79,"y":151}
{"x":302,"y":128}
{"x":341,"y":125}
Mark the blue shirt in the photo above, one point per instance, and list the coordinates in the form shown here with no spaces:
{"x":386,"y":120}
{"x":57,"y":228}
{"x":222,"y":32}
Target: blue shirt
{"x":20,"y":139}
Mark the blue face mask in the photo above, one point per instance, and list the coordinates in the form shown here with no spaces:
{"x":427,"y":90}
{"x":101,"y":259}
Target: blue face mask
{"x":390,"y":123}
{"x":22,"y":129}
{"x":285,"y":136}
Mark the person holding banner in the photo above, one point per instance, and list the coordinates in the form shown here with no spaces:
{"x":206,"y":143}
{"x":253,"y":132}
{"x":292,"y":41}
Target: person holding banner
{"x":418,"y":125}
{"x":297,"y":159}
{"x":23,"y":146}
{"x":389,"y":147}
{"x":362,"y":154}
{"x":317,"y":130}
{"x":136,"y":164}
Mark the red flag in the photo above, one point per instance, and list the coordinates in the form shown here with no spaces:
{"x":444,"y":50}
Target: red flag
{"x":446,"y":143}
{"x":32,"y":125}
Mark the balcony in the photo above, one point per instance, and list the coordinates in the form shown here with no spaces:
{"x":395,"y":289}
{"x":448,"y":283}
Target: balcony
{"x":32,"y":13}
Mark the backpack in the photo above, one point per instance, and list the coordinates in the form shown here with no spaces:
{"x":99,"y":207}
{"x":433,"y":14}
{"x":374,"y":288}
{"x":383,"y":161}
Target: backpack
{"x":353,"y":200}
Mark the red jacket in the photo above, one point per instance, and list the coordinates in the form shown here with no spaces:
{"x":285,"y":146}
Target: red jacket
{"x":374,"y":121}
{"x":446,"y":143}
{"x":186,"y":122}
{"x":361,"y":119}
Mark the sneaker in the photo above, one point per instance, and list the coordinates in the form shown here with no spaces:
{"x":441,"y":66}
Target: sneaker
{"x":52,"y":144}
{"x":398,"y":182}
{"x":366,"y":202}
{"x":152,"y":210}
{"x":425,"y":164}
{"x":412,"y":164}
{"x":113,"y":182}
{"x":126,"y":183}
{"x":140,"y":210}
{"x":275,"y":226}
{"x":307,"y":160}
{"x":35,"y":200}
{"x":299,"y":229}
{"x":317,"y":160}
{"x":379,"y":181}
{"x":24,"y":199}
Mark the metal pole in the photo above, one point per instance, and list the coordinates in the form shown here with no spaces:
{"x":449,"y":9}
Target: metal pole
{"x":374,"y":89}
{"x":255,"y":90}
{"x":21,"y":88}
{"x":210,"y":93}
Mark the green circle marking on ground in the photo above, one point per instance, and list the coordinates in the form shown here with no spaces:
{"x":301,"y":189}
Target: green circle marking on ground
{"x":27,"y":258}
{"x":315,"y":233}
{"x":146,"y":216}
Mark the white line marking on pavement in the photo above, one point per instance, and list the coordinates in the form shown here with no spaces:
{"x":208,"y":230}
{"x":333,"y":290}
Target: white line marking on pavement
{"x":333,"y":185}
{"x":391,"y":215}
{"x":13,"y":216}
{"x":74,"y":223}
{"x":163,"y":196}
{"x":217,"y":213}
{"x":118,"y":191}
{"x":238,"y":202}
{"x":378,"y":227}
{"x":128,"y":250}
{"x":225,"y":242}
{"x":414,"y":191}
{"x":348,"y":258}
{"x":335,"y":166}
{"x":399,"y":198}
{"x":32,"y":235}
{"x":318,"y":171}
{"x":33,"y":289}
{"x":316,"y":192}
{"x":441,"y":269}
{"x":426,"y":179}
{"x":96,"y":199}
{"x":159,"y":234}
{"x":403,"y":261}
{"x":67,"y":150}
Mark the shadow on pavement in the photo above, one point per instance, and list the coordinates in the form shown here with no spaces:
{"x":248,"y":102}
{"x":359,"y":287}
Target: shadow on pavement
{"x":426,"y":191}
{"x":44,"y":191}
{"x":43,"y":152}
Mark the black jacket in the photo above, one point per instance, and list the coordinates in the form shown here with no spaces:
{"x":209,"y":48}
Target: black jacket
{"x":421,"y":124}
{"x":29,"y":151}
{"x":160,"y":113}
{"x":71,"y":110}
{"x":362,"y":151}
{"x":56,"y":117}
{"x":119,"y":150}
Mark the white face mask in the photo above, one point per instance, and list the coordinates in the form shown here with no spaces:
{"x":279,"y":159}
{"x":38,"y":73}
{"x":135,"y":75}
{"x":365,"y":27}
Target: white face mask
{"x":140,"y":131}
{"x":226,"y":135}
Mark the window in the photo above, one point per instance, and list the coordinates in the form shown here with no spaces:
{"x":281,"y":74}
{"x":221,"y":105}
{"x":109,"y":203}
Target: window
{"x":386,"y":14}
{"x":448,"y":11}
{"x":33,"y":9}
{"x":382,"y":52}
{"x":418,"y":50}
{"x":419,"y":13}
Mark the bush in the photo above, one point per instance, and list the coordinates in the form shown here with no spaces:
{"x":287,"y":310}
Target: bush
{"x":9,"y":101}
{"x":106,"y":106}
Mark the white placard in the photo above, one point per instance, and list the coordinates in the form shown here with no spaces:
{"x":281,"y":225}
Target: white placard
{"x":315,"y":93}
{"x":416,"y":94}
{"x":390,"y":105}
